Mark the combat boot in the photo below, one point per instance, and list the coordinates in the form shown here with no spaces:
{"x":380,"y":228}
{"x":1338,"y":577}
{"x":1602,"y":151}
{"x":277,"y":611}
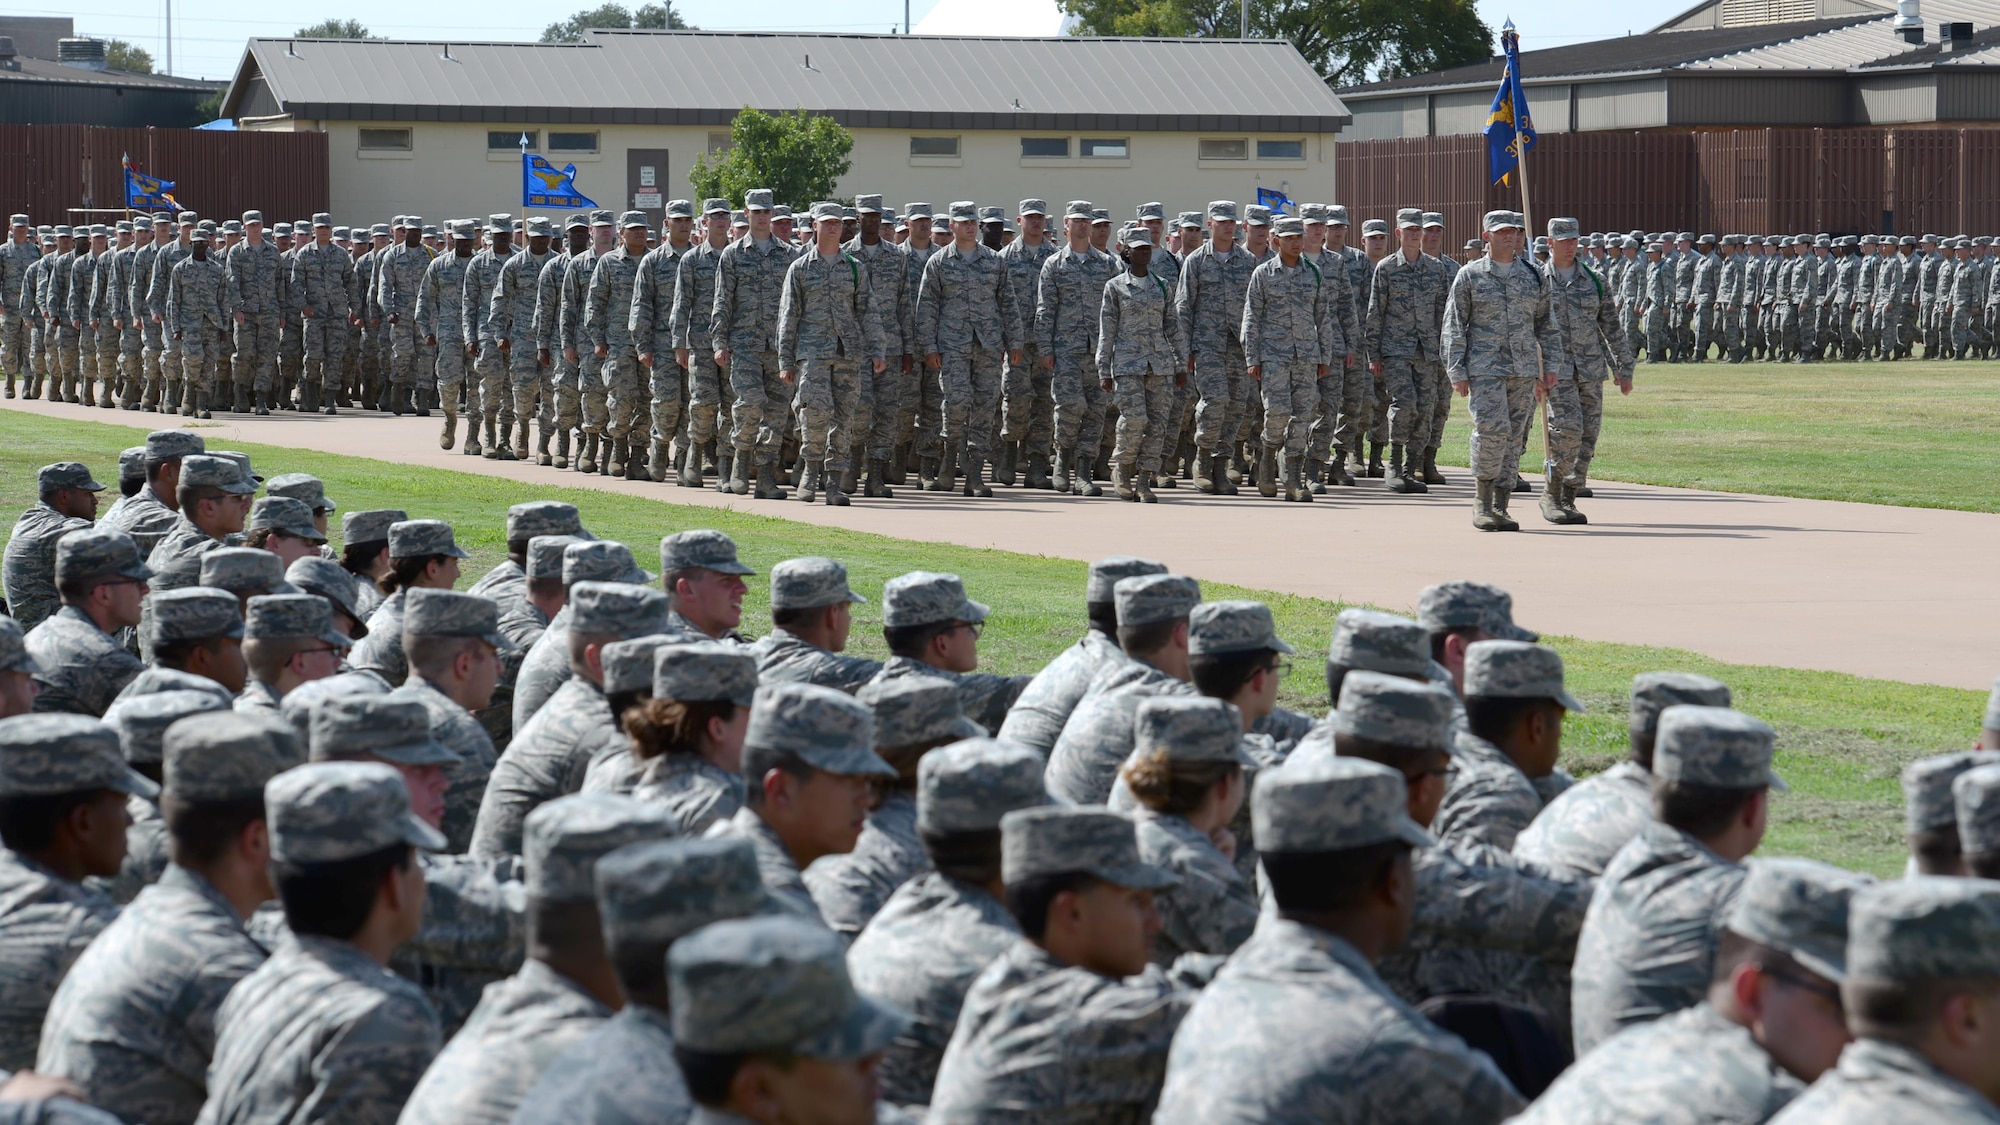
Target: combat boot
{"x":1121,"y":483}
{"x":1484,"y":516}
{"x":690,"y":466}
{"x":614,"y":451}
{"x":493,"y":436}
{"x":586,"y":453}
{"x":519,"y":451}
{"x":542,"y":454}
{"x":1581,"y":488}
{"x":1520,"y":485}
{"x":1267,"y":474}
{"x":767,"y":483}
{"x":809,"y":484}
{"x":659,"y":462}
{"x":1204,"y":473}
{"x":1337,"y":473}
{"x":1003,"y":465}
{"x":1375,"y":469}
{"x":738,"y":483}
{"x":725,"y":462}
{"x":201,"y":406}
{"x":1219,"y":469}
{"x":1412,"y":479}
{"x":836,"y":496}
{"x":1145,"y":491}
{"x":795,"y":476}
{"x":1551,"y":505}
{"x":1502,"y":497}
{"x":1084,"y":482}
{"x":871,"y":484}
{"x":1037,"y":476}
{"x":850,"y":477}
{"x":263,"y":403}
{"x":975,"y":481}
{"x":1296,"y":489}
{"x":561,"y":459}
{"x":89,"y":399}
{"x":1060,"y":478}
{"x":1396,"y":482}
{"x":1568,"y":500}
{"x":1431,"y":474}
{"x":945,"y":474}
{"x":1315,"y":476}
{"x":898,"y":470}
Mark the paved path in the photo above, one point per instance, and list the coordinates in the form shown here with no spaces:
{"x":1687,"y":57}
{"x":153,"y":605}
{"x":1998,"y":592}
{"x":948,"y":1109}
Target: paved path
{"x":1896,"y":593}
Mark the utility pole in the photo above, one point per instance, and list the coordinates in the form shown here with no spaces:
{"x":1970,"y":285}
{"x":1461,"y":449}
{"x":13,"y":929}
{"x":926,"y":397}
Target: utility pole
{"x":170,"y":37}
{"x":1243,"y":32}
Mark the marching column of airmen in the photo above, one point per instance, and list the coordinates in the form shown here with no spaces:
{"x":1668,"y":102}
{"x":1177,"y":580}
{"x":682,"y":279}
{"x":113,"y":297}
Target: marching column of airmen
{"x":347,"y":844}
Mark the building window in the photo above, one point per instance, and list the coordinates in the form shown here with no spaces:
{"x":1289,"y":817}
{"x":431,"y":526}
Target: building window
{"x":720,"y":142}
{"x":933,"y":146}
{"x":1224,"y":148}
{"x":509,"y":140}
{"x":385,"y":140}
{"x":1106,"y":148}
{"x":1056,"y":147}
{"x":572,"y":142}
{"x":1281,"y":150}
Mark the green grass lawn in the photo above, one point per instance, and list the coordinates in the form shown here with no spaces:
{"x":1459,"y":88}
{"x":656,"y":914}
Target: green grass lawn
{"x":1912,"y":433}
{"x":1842,"y":739}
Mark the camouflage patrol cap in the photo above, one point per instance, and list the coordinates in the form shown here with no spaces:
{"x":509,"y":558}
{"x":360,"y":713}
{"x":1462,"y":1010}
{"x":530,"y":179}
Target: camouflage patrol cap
{"x":1992,"y":721}
{"x":1372,"y":227}
{"x":63,"y":230}
{"x":828,"y":729}
{"x":1153,"y":210}
{"x":781,"y":212}
{"x":868,"y":204}
{"x":66,"y":474}
{"x":227,"y":757}
{"x":628,"y":665}
{"x":1331,"y":805}
{"x":1257,"y":215}
{"x":359,"y":726}
{"x":1926,"y":927}
{"x":562,"y":840}
{"x":1653,"y":692}
{"x":242,"y":465}
{"x":1715,"y":746}
{"x":411,"y":539}
{"x":545,"y":556}
{"x":1190,"y":728}
{"x":1927,"y":787}
{"x":305,"y":488}
{"x":1217,"y":628}
{"x":1434,"y":219}
{"x":1287,"y":225}
{"x":539,"y":227}
{"x":1077,"y":209}
{"x":655,"y":892}
{"x":1188,"y":219}
{"x":917,"y":210}
{"x":319,"y":219}
{"x":214,"y":471}
{"x":201,"y":236}
{"x":1076,"y":839}
{"x":810,"y":583}
{"x":273,"y":617}
{"x":1146,"y":598}
{"x":1798,"y":907}
{"x":166,"y":445}
{"x":285,"y":516}
{"x":971,"y":784}
{"x":14,"y":655}
{"x":500,"y":224}
{"x":577,"y":220}
{"x":1516,"y":670}
{"x":42,"y":755}
{"x":326,"y":812}
{"x":1222,"y":210}
{"x":616,"y":609}
{"x":924,"y":597}
{"x":1975,"y":796}
{"x":757,"y":199}
{"x":1100,"y":215}
{"x":99,"y":554}
{"x":1394,"y":710}
{"x":142,"y":721}
{"x":377,"y":230}
{"x":702,"y":549}
{"x":1365,"y":639}
{"x":331,"y":582}
{"x":1563,"y":228}
{"x":705,"y":672}
{"x":463,"y":229}
{"x":1336,"y":214}
{"x":963,"y":210}
{"x":1033,"y":207}
{"x":244,"y":570}
{"x":1135,"y":236}
{"x":1410,"y":217}
{"x":1500,"y":220}
{"x":773,"y":985}
{"x":601,"y":218}
{"x":600,"y":560}
{"x":448,"y":613}
{"x":299,"y":702}
{"x":1464,"y":604}
{"x":194,"y":613}
{"x":1312,"y":213}
{"x":916,"y":710}
{"x":1105,"y":574}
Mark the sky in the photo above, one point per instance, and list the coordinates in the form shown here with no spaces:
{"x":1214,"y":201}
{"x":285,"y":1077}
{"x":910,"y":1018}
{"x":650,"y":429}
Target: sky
{"x":209,"y":34}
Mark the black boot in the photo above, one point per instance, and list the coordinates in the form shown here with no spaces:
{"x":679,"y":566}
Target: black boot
{"x":836,"y":496}
{"x":975,"y":483}
{"x":263,"y":403}
{"x":1375,"y":468}
{"x":871,"y":484}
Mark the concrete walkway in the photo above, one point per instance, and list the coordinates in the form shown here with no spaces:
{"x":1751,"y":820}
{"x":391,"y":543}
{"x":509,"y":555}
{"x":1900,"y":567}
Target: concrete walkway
{"x":1896,"y":593}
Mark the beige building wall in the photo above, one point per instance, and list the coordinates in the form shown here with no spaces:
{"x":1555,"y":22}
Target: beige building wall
{"x":447,"y":170}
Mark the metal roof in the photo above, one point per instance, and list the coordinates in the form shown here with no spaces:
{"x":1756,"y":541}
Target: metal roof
{"x":43,"y":70}
{"x":864,"y":81}
{"x":1863,"y":44}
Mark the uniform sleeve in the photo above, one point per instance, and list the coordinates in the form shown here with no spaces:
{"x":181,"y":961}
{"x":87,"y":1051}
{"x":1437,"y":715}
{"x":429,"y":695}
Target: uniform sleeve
{"x":791,"y":306}
{"x":723,"y":310}
{"x":1253,"y":320}
{"x":1048,"y":301}
{"x":1011,"y":334}
{"x":930,"y":291}
{"x":639,"y":317}
{"x":1181,"y":303}
{"x":1172,"y":328}
{"x":1109,"y":312}
{"x":1548,"y":332}
{"x":873,"y":341}
{"x":427,"y":291}
{"x":363,"y":1076}
{"x":1452,"y":340}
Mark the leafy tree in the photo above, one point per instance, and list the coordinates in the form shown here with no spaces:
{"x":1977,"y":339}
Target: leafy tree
{"x":120,"y":55}
{"x":210,"y":107}
{"x":613,"y":15}
{"x":798,"y":155}
{"x":1346,"y":41}
{"x":334,"y":29}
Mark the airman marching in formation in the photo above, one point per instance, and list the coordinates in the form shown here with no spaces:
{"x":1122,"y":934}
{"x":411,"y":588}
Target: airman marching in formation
{"x":290,"y":833}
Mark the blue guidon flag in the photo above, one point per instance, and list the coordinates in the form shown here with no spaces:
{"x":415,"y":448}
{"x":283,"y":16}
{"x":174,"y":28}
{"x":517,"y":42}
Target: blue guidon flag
{"x":1277,"y":201}
{"x":1509,"y":131}
{"x":147,"y":193}
{"x":544,"y":185}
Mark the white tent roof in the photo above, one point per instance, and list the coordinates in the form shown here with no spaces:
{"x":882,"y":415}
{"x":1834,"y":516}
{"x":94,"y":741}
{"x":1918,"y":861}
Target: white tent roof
{"x":1026,"y":18}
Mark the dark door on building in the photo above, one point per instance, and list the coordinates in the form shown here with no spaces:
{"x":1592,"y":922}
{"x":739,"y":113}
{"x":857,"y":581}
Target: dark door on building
{"x":646,"y":183}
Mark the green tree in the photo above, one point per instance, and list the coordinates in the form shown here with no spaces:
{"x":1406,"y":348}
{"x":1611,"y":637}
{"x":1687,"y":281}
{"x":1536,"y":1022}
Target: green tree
{"x":649,"y":16}
{"x":210,"y":107}
{"x":120,"y":55}
{"x":798,"y":155}
{"x":1346,"y":41}
{"x":334,"y":29}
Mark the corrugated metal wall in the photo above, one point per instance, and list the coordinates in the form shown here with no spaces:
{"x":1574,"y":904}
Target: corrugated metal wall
{"x":52,"y":168}
{"x":1842,"y":181}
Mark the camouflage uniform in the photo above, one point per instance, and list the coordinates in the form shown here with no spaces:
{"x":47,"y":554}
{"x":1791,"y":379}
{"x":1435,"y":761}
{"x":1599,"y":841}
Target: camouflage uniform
{"x":1496,"y":329}
{"x":783,"y":657}
{"x":966,"y":314}
{"x":694,"y":298}
{"x":589,"y":370}
{"x":651,"y":320}
{"x":253,"y":286}
{"x":1139,"y":344}
{"x":440,"y":315}
{"x":1594,"y":348}
{"x":454,"y":726}
{"x":1213,"y":286}
{"x":15,"y":259}
{"x":749,"y":283}
{"x":546,"y":759}
{"x":510,"y":317}
{"x":199,"y":307}
{"x":829,"y":338}
{"x":323,"y":286}
{"x":1069,"y":297}
{"x":607,"y":324}
{"x":1402,"y":331}
{"x":399,"y":283}
{"x":1290,"y":330}
{"x":1708,"y":271}
{"x":561,"y":398}
{"x":30,"y":561}
{"x":1028,"y":403}
{"x":486,"y":403}
{"x":82,"y":669}
{"x":775,"y":864}
{"x":696,"y":793}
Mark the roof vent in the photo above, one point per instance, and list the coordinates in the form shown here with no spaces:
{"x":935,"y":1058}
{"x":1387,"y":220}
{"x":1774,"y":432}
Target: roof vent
{"x":1909,"y":25}
{"x":10,"y":59}
{"x":1954,"y":36}
{"x":83,"y":54}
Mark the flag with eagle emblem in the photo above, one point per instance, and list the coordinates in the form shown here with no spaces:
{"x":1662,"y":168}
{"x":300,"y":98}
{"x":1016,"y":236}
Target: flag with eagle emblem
{"x":544,"y":185}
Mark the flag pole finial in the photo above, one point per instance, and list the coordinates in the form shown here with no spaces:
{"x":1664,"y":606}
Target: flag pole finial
{"x":524,"y":142}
